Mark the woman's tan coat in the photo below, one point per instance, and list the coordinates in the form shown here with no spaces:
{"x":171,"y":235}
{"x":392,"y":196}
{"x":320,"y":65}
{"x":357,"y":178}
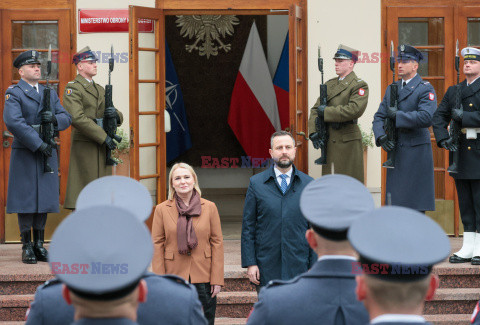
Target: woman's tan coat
{"x":205,"y":264}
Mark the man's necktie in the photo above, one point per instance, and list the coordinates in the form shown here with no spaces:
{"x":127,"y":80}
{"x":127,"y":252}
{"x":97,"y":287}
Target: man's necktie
{"x":283,"y":185}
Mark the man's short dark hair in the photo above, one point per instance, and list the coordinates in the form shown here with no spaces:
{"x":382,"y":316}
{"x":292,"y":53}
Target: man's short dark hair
{"x":279,"y":134}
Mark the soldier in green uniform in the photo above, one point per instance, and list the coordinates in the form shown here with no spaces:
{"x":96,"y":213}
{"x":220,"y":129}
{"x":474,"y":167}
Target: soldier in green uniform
{"x":347,"y":98}
{"x":85,"y":101}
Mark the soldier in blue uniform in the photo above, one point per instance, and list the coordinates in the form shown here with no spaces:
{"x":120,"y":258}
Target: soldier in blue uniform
{"x":31,"y":192}
{"x":411,"y":182}
{"x":398,"y":248}
{"x":326,"y":293}
{"x":183,"y":305}
{"x":467,"y":179}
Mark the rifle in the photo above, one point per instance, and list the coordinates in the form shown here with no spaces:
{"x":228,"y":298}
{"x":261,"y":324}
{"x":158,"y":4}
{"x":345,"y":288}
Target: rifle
{"x":47,"y":130}
{"x":320,"y":125}
{"x":110,"y":123}
{"x":390,"y":127}
{"x":455,"y":127}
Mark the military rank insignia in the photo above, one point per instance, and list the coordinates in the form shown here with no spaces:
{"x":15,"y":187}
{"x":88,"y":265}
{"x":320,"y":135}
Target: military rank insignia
{"x":431,"y":96}
{"x":361,"y":91}
{"x":69,"y":91}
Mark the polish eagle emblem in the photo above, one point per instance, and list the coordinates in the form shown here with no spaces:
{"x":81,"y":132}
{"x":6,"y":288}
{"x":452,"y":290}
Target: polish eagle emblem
{"x":208,"y":31}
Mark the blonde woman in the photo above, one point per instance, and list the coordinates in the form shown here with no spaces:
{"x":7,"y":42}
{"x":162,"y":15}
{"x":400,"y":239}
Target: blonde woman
{"x":188,"y":239}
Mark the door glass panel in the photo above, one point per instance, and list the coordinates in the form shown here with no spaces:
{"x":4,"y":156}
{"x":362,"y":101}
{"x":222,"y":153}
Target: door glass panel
{"x":473,"y":31}
{"x":36,"y":35}
{"x":421,"y":31}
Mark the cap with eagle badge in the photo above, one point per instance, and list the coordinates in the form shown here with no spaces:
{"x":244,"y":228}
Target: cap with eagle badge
{"x":346,"y":53}
{"x":407,"y":53}
{"x":398,"y":244}
{"x":101,"y":252}
{"x":322,"y":203}
{"x":84,"y":54}
{"x":27,"y":57}
{"x":471,"y":53}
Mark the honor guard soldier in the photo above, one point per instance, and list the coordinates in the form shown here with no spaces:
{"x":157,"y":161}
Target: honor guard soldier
{"x":122,"y":192}
{"x":467,"y":177}
{"x":347,"y":98}
{"x":326,"y":293}
{"x":398,"y":248}
{"x":32,"y":193}
{"x":85,"y":100}
{"x":410,"y":183}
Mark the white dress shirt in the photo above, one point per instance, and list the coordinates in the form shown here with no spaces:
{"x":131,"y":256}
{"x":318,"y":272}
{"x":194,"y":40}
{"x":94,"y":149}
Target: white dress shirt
{"x":279,"y":179}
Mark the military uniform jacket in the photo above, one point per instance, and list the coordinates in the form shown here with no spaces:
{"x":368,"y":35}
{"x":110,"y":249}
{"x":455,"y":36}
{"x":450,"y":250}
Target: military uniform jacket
{"x":85,"y":101}
{"x":273,"y":228}
{"x":469,"y":149}
{"x":323,"y":295}
{"x":30,"y":190}
{"x":411,"y":182}
{"x":346,"y":101}
{"x":170,"y":299}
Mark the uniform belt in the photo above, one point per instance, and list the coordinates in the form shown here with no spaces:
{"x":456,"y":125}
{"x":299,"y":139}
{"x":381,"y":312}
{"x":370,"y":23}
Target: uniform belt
{"x":98,"y":121}
{"x":339,"y":125}
{"x":404,"y":130}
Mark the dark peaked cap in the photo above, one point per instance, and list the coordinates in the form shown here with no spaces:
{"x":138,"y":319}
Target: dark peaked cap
{"x":114,"y":244}
{"x":121,"y":191}
{"x":332,"y":202}
{"x":399,"y":236}
{"x":27,"y":57}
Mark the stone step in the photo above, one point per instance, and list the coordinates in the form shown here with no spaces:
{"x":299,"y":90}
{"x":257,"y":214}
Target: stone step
{"x":235,"y":304}
{"x":225,"y":321}
{"x":452,"y":301}
{"x":14,"y":307}
{"x":452,"y":319}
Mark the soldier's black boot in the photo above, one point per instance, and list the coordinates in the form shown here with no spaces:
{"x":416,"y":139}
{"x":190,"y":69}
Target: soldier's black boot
{"x":28,"y":256}
{"x":40,"y":252}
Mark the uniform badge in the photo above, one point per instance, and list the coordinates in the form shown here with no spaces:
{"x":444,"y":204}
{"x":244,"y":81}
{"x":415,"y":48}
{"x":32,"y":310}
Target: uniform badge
{"x":402,"y":48}
{"x":474,"y":315}
{"x":69,"y":91}
{"x":361,"y":91}
{"x":7,"y":96}
{"x":431,"y":96}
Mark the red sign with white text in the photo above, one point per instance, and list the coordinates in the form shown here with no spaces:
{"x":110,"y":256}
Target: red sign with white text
{"x":109,"y":21}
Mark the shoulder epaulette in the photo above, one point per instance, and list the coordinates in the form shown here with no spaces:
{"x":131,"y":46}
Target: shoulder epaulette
{"x":50,"y":283}
{"x":71,"y":82}
{"x":11,"y":86}
{"x":176,"y":279}
{"x":274,"y":283}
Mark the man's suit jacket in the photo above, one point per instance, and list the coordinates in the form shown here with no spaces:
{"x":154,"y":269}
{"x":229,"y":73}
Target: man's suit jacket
{"x":323,"y":295}
{"x":205,"y":264}
{"x":273,"y":229}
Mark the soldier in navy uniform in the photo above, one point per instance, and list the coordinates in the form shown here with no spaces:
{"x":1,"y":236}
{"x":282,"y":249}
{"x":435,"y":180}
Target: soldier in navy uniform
{"x":398,"y":248}
{"x":326,"y":293}
{"x":183,"y":305}
{"x":467,"y":179}
{"x":31,"y":192}
{"x":411,"y":182}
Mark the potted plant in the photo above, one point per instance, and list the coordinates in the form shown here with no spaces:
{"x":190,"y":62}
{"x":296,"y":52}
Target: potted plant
{"x":121,"y":154}
{"x":367,"y":141}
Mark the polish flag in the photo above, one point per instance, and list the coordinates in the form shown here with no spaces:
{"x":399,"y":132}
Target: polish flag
{"x":253,"y":115}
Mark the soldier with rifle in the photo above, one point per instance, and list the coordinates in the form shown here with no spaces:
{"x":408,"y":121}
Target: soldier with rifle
{"x":33,"y":114}
{"x":336,"y":131}
{"x":91,"y":118}
{"x":460,"y":107}
{"x":410,"y":181}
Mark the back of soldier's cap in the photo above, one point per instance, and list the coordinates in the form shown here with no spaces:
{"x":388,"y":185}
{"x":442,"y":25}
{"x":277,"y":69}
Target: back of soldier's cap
{"x":398,"y":244}
{"x":101,"y":252}
{"x":118,"y":191}
{"x":332,"y":202}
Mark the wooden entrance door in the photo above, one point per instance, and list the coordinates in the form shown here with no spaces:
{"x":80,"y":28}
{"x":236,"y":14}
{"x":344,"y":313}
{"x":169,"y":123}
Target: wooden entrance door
{"x":154,"y":86}
{"x":430,"y":30}
{"x":22,"y":30}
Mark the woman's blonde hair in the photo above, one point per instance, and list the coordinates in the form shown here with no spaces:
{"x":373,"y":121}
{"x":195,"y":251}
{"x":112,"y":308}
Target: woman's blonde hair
{"x":171,"y":190}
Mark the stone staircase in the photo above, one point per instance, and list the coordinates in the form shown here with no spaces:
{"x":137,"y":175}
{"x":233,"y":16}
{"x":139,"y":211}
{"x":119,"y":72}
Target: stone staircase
{"x":453,"y":304}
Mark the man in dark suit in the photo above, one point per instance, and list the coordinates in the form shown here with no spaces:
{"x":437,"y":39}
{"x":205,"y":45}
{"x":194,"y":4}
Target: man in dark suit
{"x":467,"y":179}
{"x":398,"y":248}
{"x":183,"y":305}
{"x":273,"y":230}
{"x":410,"y":183}
{"x":32,"y":193}
{"x":326,"y":293}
